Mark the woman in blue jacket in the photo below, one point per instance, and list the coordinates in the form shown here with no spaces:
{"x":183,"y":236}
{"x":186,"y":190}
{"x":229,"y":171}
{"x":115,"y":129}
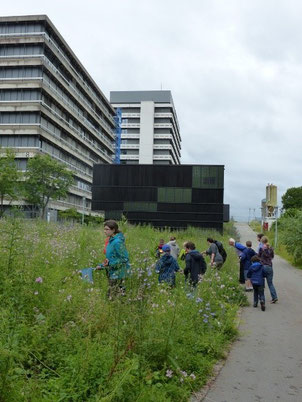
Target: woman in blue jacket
{"x":117,"y":259}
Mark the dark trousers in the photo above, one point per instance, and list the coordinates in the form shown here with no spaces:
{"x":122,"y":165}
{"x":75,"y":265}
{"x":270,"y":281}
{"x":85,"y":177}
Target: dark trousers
{"x":258,"y":293}
{"x":241,"y":272}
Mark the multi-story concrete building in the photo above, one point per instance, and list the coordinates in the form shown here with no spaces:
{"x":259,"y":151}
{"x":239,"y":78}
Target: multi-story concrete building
{"x":49,"y":103}
{"x":150,"y":129}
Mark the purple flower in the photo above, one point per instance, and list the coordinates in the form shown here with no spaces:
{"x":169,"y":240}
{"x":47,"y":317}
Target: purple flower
{"x":169,"y":373}
{"x":199,"y":300}
{"x":184,"y":373}
{"x":39,"y":279}
{"x":193,"y":376}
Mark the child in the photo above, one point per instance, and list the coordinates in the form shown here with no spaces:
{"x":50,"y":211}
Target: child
{"x":256,"y":273}
{"x":245,"y":258}
{"x":158,"y":249}
{"x":166,"y":267}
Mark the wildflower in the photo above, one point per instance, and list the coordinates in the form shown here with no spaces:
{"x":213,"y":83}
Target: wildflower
{"x":199,"y":300}
{"x":205,"y":320}
{"x":36,"y":292}
{"x":39,"y":279}
{"x":169,"y":373}
{"x":222,"y":286}
{"x":193,"y":376}
{"x":184,"y":373}
{"x":68,"y":298}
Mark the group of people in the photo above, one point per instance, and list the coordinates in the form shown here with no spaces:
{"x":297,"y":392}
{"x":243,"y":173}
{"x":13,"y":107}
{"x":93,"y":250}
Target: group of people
{"x":255,"y":267}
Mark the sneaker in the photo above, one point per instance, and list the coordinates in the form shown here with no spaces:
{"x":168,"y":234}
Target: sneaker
{"x":255,"y":304}
{"x":262,"y":306}
{"x":274,"y":301}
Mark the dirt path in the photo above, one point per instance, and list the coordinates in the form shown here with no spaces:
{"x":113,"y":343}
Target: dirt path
{"x":265,"y":364}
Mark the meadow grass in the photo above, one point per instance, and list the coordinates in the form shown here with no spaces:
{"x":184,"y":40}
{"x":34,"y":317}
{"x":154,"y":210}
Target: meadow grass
{"x":61,"y":339}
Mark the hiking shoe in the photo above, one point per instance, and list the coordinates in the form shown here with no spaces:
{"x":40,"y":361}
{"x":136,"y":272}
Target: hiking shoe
{"x":274,"y":301}
{"x":255,"y":304}
{"x":262,"y":306}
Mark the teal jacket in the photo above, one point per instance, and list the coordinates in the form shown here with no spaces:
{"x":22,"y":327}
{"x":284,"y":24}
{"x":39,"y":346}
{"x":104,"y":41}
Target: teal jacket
{"x":118,"y":257}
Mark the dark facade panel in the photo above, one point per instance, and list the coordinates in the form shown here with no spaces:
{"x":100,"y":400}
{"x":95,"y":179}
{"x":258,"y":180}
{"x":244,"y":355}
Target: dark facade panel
{"x":226,"y":213}
{"x":116,"y":194}
{"x":206,"y":208}
{"x":172,"y":196}
{"x":142,"y":175}
{"x":208,"y":196}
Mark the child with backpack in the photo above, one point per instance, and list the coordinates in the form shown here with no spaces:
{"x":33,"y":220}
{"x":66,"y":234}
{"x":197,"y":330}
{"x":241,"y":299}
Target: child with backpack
{"x":256,"y":273}
{"x":167,"y":266}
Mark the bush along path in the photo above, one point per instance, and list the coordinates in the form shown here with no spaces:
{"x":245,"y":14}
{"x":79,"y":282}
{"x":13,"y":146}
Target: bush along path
{"x":61,"y":339}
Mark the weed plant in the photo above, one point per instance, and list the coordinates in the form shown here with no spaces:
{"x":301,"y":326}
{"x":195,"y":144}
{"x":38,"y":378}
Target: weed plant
{"x":61,"y":339}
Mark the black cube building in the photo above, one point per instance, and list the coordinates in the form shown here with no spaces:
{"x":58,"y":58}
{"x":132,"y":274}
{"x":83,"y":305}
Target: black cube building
{"x":173,"y":196}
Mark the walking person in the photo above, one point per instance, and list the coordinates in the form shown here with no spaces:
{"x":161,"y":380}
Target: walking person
{"x":167,"y":266}
{"x":256,"y":273}
{"x":245,"y":258}
{"x":260,"y":244}
{"x":195,"y":264}
{"x":174,"y":247}
{"x":216,"y":257}
{"x":117,"y":259}
{"x":266,"y":254}
{"x":239,"y":249}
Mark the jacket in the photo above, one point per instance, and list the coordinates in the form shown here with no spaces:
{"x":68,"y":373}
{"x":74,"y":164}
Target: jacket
{"x":195,"y":265}
{"x":266,"y":255}
{"x":174,"y":248}
{"x":246,"y":256}
{"x":166,"y":268}
{"x":256,"y":274}
{"x":239,"y":248}
{"x":118,"y":257}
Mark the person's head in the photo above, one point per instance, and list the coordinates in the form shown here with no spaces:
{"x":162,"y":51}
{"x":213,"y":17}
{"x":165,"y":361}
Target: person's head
{"x":189,"y":245}
{"x":255,"y":258}
{"x":248,"y":244}
{"x":264,"y":241}
{"x":172,"y":238}
{"x":166,"y":248}
{"x":161,"y":242}
{"x":110,"y":228}
{"x":231,"y":241}
{"x":210,"y":240}
{"x":259,"y":236}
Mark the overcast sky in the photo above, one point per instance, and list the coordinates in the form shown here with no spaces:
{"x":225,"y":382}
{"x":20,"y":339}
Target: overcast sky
{"x":234,"y":68}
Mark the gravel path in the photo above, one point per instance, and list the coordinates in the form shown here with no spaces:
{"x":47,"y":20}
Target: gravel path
{"x":265,"y":364}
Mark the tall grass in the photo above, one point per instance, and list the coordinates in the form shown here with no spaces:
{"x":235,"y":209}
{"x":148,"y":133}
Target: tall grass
{"x":61,"y":339}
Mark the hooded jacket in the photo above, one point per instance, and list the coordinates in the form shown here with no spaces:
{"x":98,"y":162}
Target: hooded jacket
{"x":266,"y":255}
{"x":246,"y":256}
{"x":256,"y":274}
{"x":166,"y":268}
{"x":195,"y":265}
{"x":118,"y":257}
{"x":174,"y":248}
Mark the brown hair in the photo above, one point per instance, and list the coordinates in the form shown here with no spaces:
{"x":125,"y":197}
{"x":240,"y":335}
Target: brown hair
{"x":264,"y":240}
{"x":112,"y":225}
{"x":248,"y":243}
{"x":260,"y":235}
{"x":190,"y":245}
{"x":255,"y":258}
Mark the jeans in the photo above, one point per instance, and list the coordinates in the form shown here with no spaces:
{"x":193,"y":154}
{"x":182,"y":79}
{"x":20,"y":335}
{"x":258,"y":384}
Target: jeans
{"x":269,"y":278}
{"x":258,"y":293}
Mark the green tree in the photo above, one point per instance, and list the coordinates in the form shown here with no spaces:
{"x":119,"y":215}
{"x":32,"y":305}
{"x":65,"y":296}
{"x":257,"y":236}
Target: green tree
{"x":292,"y":198}
{"x":9,"y":178}
{"x":46,"y":179}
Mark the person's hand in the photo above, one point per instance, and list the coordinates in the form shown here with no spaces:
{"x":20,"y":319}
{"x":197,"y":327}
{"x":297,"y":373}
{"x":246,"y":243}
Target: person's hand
{"x":106,"y":262}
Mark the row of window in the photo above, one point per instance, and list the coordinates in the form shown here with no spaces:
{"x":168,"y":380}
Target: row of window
{"x":20,"y":94}
{"x":19,"y":141}
{"x":70,"y":141}
{"x":174,"y":195}
{"x":67,"y":158}
{"x":21,"y":28}
{"x":21,"y":50}
{"x":20,"y":72}
{"x":19,"y":118}
{"x":207,"y":176}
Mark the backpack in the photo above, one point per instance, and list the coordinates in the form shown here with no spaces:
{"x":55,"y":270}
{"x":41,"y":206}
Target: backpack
{"x":221,"y":250}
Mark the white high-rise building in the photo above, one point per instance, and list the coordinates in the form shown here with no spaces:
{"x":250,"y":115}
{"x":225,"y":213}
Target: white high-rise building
{"x":150,"y":129}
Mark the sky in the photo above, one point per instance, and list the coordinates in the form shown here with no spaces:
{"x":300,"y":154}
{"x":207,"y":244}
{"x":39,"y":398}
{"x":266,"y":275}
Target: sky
{"x":234,"y":68}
